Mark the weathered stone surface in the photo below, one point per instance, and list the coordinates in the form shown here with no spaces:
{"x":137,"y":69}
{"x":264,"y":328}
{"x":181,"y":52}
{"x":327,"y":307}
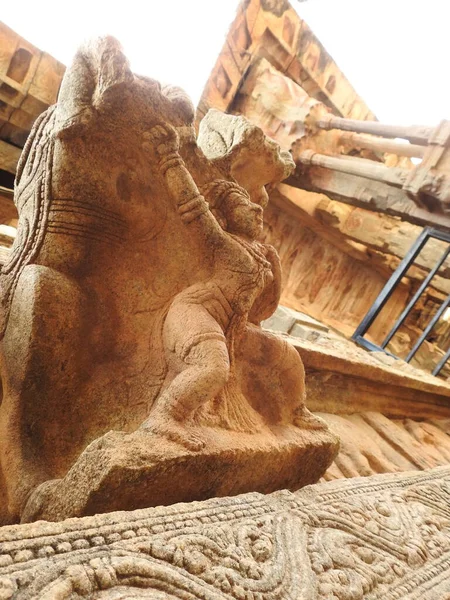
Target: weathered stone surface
{"x":385,"y":537}
{"x":125,"y":471}
{"x":9,"y":156}
{"x":29,"y":80}
{"x":133,"y":298}
{"x":366,"y":193}
{"x":344,"y":379}
{"x":341,"y":290}
{"x":377,"y":231}
{"x":273,"y":31}
{"x":371,"y":443}
{"x":289,"y":321}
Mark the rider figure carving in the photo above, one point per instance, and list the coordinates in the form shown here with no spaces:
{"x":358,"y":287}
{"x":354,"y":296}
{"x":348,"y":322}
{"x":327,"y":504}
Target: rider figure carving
{"x":205,"y":320}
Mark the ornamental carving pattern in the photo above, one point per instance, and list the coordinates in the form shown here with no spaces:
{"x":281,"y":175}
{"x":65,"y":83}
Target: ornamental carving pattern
{"x":384,"y":537}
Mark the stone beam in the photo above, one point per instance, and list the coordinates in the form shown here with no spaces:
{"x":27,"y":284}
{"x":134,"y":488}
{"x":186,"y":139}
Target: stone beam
{"x":365,"y":193}
{"x":378,"y":231}
{"x":352,"y":248}
{"x":343,"y":379}
{"x":310,"y":209}
{"x":416,"y":134}
{"x":352,"y":165}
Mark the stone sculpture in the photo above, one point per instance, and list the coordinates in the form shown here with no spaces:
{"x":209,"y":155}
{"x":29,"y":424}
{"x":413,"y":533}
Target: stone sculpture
{"x":131,"y":353}
{"x":385,"y":537}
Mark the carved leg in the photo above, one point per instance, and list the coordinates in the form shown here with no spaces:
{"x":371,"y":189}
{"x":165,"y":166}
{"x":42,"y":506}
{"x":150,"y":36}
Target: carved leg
{"x":41,"y":355}
{"x":199,"y":366}
{"x":273,"y":378}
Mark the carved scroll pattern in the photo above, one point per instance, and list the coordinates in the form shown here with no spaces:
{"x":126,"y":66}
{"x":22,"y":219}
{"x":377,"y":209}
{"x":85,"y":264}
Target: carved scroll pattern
{"x":384,"y":537}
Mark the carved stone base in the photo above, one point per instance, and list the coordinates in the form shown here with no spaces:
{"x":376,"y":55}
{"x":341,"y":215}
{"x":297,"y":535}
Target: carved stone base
{"x":128,"y":471}
{"x":376,"y":538}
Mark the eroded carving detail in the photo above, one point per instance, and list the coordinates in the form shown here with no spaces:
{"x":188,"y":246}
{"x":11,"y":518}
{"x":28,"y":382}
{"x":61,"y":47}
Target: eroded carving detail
{"x":132,"y":305}
{"x":383,"y":537}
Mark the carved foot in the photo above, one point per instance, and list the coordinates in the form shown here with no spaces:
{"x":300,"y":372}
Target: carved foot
{"x":39,"y":500}
{"x":174,"y":431}
{"x":304,"y":419}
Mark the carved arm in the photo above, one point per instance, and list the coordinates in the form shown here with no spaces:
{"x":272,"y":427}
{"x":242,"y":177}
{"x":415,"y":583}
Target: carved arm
{"x":190,"y":203}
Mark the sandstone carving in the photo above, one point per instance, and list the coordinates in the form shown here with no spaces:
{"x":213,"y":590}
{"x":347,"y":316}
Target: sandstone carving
{"x":131,"y":352}
{"x":370,"y":443}
{"x":385,"y":537}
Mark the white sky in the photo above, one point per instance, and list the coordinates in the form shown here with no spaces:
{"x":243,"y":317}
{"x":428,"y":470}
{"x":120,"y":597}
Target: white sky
{"x":396,"y":53}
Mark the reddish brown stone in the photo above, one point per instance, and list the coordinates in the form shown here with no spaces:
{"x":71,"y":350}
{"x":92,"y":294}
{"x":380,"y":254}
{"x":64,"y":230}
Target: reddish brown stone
{"x":132,"y":301}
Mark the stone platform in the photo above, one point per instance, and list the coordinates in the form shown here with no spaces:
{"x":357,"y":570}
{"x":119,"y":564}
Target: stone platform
{"x":342,"y":378}
{"x":122,"y":471}
{"x":385,"y":537}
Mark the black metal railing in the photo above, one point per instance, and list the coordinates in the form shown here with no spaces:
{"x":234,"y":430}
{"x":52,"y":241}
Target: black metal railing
{"x":390,"y":287}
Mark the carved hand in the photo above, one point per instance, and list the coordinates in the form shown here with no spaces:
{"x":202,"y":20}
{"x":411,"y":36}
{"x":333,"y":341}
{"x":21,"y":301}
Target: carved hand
{"x":164,"y":139}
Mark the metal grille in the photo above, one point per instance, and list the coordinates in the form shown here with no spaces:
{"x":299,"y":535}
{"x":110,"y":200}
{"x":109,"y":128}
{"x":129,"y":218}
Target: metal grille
{"x":388,"y":290}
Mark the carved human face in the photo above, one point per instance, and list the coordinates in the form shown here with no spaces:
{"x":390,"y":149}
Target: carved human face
{"x":243,"y":216}
{"x":254,"y":168}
